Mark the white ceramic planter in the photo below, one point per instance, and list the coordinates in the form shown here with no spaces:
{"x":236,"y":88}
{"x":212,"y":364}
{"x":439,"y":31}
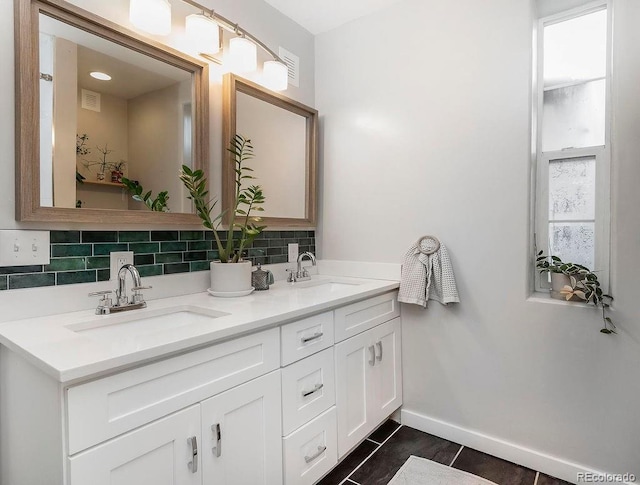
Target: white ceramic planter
{"x":230,"y":277}
{"x":558,"y":282}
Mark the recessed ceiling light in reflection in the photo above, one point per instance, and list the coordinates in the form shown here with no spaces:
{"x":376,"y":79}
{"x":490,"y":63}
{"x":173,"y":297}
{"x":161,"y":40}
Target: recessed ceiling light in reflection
{"x":100,"y":75}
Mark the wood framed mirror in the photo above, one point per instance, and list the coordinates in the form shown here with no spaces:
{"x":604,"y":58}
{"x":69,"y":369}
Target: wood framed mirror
{"x":284,"y":134}
{"x":76,"y":135}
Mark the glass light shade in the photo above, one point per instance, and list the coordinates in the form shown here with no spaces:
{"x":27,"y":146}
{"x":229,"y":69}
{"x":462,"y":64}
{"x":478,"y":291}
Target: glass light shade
{"x":152,"y":16}
{"x":275,"y":75}
{"x":243,"y":55}
{"x":203,"y":34}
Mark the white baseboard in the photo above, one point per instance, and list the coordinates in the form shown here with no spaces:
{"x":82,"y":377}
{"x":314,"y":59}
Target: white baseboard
{"x":551,"y":465}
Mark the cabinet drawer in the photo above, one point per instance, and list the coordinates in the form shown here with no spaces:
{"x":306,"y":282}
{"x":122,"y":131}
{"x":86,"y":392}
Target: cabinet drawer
{"x":311,"y":452}
{"x":353,"y":319}
{"x":308,"y":389}
{"x":107,"y":407}
{"x":305,"y":337}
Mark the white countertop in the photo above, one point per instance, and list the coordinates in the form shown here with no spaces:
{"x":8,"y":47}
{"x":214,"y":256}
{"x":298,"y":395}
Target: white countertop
{"x":57,"y":345}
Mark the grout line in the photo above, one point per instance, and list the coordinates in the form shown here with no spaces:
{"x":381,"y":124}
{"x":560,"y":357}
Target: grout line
{"x":369,"y":439}
{"x":535,"y":482}
{"x":371,"y":454}
{"x":457,"y":455}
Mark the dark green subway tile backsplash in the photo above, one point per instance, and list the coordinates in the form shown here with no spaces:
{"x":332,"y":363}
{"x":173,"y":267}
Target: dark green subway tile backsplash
{"x":71,"y":277}
{"x":31,"y":280}
{"x":63,"y":250}
{"x":168,"y":258}
{"x":83,"y":256}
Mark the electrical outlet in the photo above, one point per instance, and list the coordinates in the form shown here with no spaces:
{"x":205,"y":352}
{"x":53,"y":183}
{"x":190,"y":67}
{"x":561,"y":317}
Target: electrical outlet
{"x":118,"y":260}
{"x":293,"y":252}
{"x":24,"y":248}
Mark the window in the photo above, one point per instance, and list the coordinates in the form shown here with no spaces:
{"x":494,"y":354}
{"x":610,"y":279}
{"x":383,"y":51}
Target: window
{"x":572,"y":145}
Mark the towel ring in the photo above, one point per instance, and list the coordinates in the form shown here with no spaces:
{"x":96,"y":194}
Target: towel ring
{"x":428,"y":245}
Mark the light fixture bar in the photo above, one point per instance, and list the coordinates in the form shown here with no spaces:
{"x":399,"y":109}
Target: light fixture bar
{"x":233,"y":27}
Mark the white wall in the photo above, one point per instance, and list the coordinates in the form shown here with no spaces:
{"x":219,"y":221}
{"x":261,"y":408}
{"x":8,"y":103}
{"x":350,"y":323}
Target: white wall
{"x":427,"y":131}
{"x":256,"y":16}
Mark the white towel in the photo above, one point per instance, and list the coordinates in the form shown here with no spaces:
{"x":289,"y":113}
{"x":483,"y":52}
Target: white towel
{"x":427,"y":277}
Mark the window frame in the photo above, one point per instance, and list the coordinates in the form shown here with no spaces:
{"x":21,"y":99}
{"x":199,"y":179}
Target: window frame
{"x":602,"y":154}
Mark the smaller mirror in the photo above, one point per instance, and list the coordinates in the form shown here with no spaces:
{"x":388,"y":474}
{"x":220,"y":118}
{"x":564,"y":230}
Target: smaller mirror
{"x":284,"y":135}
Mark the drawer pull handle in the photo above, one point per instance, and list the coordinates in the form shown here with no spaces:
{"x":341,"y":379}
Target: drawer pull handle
{"x":217,"y":450}
{"x":321,"y":450}
{"x":314,"y":390}
{"x":193,"y":464}
{"x":379,"y":357}
{"x":372,"y":349}
{"x":315,"y":336}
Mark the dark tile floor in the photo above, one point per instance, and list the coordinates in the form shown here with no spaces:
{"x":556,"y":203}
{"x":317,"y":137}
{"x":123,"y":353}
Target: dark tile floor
{"x":377,"y":459}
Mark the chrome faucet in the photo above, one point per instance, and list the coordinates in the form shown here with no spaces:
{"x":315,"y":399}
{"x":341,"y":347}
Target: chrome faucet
{"x":301,"y":274}
{"x":106,"y":306}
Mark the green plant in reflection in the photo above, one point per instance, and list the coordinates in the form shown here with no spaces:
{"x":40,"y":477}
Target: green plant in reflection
{"x":158,"y":203}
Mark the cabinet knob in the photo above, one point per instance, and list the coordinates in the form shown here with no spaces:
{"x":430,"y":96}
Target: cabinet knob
{"x":217,"y":436}
{"x":193,"y":464}
{"x":379,"y":356}
{"x":312,"y":391}
{"x":310,"y":338}
{"x":321,"y":450}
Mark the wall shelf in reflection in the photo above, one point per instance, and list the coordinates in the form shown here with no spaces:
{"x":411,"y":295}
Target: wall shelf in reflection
{"x":106,"y":184}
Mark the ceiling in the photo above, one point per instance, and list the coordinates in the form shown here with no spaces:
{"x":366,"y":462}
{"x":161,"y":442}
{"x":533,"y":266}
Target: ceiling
{"x":133,"y":73}
{"x":319,"y":16}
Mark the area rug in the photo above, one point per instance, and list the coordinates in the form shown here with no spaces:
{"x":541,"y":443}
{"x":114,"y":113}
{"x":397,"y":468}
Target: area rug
{"x":420,"y":471}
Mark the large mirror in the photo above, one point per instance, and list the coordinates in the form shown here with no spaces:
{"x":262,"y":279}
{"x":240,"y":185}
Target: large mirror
{"x":283,"y":133}
{"x":99,"y":105}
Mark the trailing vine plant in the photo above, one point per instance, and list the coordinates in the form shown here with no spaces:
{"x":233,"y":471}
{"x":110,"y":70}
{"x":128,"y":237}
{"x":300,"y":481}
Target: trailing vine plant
{"x":584,"y":284}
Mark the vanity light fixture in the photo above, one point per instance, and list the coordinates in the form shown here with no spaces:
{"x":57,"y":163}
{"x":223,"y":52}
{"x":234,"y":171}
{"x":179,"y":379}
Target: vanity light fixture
{"x":153,"y":16}
{"x":102,"y":76}
{"x":275,"y":75}
{"x":203,"y":30}
{"x":203,"y":33}
{"x":243,"y":55}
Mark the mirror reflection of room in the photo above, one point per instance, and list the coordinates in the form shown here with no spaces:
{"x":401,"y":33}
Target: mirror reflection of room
{"x":113,"y":113}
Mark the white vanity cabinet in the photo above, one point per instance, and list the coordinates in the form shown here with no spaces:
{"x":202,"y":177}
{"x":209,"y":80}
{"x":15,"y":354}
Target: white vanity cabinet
{"x":160,"y":453}
{"x":278,"y":406}
{"x":210,"y":442}
{"x":368,"y":371}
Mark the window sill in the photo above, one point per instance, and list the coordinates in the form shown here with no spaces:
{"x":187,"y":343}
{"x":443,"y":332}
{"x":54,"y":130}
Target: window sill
{"x":545,"y":297}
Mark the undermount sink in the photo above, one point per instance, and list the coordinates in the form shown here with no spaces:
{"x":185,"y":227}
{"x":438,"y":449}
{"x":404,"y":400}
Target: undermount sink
{"x":325,"y":285}
{"x":140,"y":329}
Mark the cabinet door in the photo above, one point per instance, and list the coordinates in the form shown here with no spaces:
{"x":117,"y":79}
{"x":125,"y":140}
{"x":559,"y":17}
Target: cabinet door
{"x":386,"y":375}
{"x":354,"y":359}
{"x":164,"y":452}
{"x":242,"y":434}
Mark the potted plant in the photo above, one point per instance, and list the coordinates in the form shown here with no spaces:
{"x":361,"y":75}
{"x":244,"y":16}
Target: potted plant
{"x":231,"y":274}
{"x":574,"y":282}
{"x":117,"y":171}
{"x":102,"y":163}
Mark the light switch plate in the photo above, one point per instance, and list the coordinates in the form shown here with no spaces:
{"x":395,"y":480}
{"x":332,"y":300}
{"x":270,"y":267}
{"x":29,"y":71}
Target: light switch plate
{"x":293,"y":252}
{"x":24,"y":248}
{"x":119,"y":259}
